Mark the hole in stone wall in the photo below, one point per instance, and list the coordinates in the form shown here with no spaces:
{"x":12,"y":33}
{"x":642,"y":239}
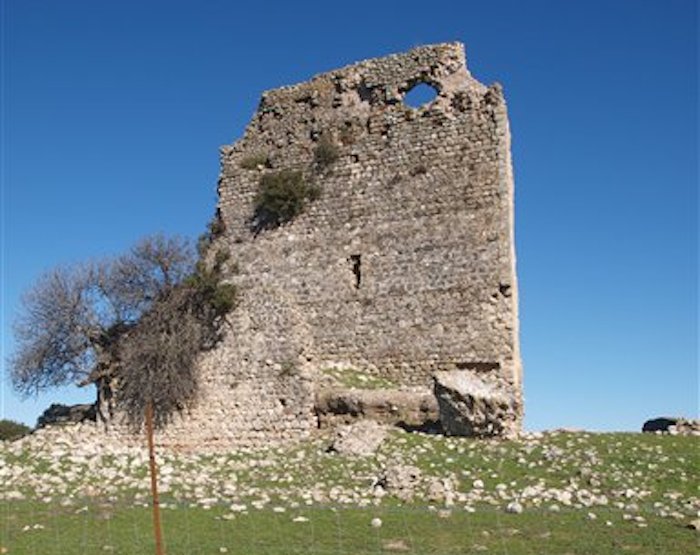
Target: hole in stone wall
{"x":356,"y":261}
{"x":478,"y":366}
{"x":365,"y":93}
{"x":420,"y":95}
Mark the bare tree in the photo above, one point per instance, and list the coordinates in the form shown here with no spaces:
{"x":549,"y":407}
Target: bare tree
{"x":74,"y":320}
{"x":58,"y":333}
{"x":138,"y":321}
{"x":150,"y":269}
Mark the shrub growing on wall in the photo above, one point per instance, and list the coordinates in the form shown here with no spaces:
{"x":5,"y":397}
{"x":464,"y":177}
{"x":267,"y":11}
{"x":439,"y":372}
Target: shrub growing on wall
{"x":280,"y":198}
{"x":325,"y":153}
{"x":255,"y":161}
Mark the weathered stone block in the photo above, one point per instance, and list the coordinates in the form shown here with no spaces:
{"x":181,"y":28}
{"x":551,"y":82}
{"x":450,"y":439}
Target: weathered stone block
{"x":413,"y":409}
{"x":359,"y":439}
{"x":475,"y":405}
{"x":66,"y":414}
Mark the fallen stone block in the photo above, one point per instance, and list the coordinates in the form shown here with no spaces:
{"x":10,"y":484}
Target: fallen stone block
{"x":472,"y":405}
{"x":359,"y":439}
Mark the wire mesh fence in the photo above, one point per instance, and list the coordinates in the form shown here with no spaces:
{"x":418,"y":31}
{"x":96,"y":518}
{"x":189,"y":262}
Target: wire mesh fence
{"x":97,"y":526}
{"x":73,"y":492}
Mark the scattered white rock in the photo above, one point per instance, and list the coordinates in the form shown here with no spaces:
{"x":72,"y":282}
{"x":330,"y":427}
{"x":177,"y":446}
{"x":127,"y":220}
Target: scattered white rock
{"x":359,"y":439}
{"x":514,"y":508}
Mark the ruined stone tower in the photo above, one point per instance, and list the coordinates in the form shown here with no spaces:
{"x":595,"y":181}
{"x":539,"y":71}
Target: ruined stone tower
{"x":401,"y":266}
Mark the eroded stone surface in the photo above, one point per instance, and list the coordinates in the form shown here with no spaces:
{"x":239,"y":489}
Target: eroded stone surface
{"x":360,"y":439}
{"x":412,"y":409}
{"x":403,"y":266}
{"x":399,"y":479}
{"x":474,"y":405}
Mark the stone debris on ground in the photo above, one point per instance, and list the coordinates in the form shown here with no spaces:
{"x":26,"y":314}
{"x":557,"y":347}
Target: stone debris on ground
{"x":398,"y":479}
{"x":395,"y":545}
{"x":672,"y":426}
{"x":359,"y":439}
{"x":75,"y":466}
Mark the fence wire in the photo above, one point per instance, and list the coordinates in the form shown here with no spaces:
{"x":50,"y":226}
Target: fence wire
{"x":90,"y":526}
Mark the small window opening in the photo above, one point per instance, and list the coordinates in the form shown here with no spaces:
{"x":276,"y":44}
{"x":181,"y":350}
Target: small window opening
{"x":356,"y":261}
{"x":478,"y":366}
{"x":420,"y":95}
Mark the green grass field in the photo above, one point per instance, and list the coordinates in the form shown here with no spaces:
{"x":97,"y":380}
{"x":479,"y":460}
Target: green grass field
{"x":579,"y":493}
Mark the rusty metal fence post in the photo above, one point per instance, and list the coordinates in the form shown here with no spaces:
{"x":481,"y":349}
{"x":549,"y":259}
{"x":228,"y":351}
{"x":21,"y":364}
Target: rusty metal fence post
{"x":157,"y":532}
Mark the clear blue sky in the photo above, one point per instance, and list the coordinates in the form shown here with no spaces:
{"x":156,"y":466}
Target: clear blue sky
{"x":113,"y":112}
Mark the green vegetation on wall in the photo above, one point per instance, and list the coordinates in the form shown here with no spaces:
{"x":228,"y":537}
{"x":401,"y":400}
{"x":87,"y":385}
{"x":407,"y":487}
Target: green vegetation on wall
{"x":281,"y":197}
{"x":325,"y":153}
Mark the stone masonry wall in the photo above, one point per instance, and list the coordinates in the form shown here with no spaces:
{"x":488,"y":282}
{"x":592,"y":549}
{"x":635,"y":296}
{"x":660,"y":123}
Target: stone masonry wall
{"x":403,"y":266}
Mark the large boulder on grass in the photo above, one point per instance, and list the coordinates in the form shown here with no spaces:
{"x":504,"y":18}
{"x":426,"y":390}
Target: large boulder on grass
{"x":671,"y":425}
{"x":66,"y":414}
{"x":361,"y":438}
{"x":471,"y":404}
{"x":661,"y":424}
